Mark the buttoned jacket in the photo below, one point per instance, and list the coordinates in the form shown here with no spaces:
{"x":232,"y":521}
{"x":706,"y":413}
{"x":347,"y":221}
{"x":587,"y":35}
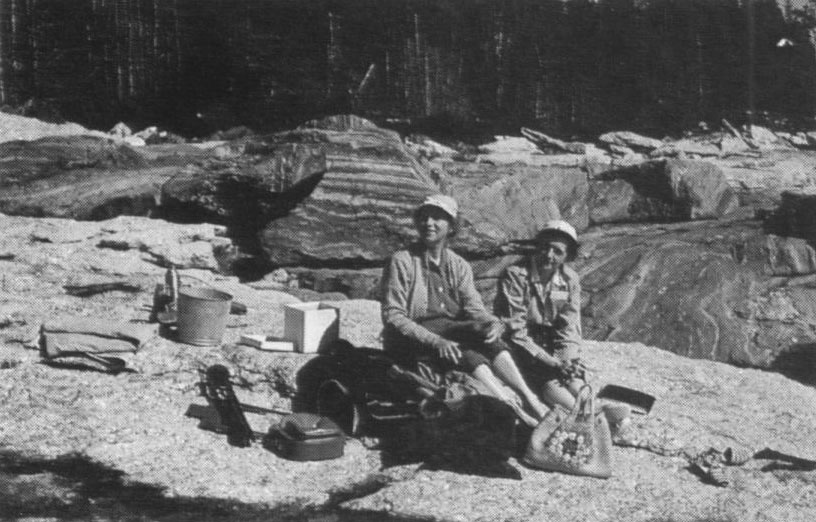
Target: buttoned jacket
{"x":404,"y":291}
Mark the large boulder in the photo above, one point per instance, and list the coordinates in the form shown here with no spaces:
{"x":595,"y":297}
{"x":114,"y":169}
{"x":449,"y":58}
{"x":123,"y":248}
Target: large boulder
{"x":336,"y":189}
{"x":80,"y":177}
{"x":760,"y":182}
{"x":720,"y":291}
{"x":500,"y":204}
{"x":662,"y":190}
{"x":361,"y":209}
{"x":244,"y":185}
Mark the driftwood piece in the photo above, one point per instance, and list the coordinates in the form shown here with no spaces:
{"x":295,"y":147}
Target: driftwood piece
{"x":541,"y":138}
{"x":739,"y":135}
{"x":631,"y":140}
{"x":88,"y":290}
{"x":366,"y":79}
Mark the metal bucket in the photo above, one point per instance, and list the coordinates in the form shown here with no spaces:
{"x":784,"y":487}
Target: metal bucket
{"x":202,"y":316}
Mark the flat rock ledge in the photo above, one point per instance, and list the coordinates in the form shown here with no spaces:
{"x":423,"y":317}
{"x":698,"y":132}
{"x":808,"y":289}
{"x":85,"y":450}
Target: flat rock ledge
{"x":134,"y":425}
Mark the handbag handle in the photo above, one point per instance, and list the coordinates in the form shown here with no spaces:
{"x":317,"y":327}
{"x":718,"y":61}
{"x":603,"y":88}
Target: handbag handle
{"x":584,"y":403}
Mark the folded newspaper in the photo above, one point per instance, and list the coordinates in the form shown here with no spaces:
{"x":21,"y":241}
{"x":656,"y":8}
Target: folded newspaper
{"x":266,"y":342}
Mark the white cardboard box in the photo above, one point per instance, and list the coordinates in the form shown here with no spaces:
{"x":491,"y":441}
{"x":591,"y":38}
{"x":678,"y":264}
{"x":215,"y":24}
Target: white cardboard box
{"x":311,"y":326}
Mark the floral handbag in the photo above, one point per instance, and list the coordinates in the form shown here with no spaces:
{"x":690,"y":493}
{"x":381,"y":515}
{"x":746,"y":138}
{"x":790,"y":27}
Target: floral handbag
{"x":576,"y":442}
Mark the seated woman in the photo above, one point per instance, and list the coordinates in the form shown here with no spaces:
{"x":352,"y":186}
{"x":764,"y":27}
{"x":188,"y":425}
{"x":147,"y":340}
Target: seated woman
{"x":433,"y":314}
{"x":540,"y":301}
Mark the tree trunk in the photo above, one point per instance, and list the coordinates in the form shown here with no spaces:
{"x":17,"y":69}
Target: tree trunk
{"x":155,"y":61}
{"x":387,"y":75}
{"x":117,"y":55}
{"x":427,"y":98}
{"x":701,"y":94}
{"x":330,"y":58}
{"x":35,"y":45}
{"x":416,"y":69}
{"x":750,"y":80}
{"x":131,"y":48}
{"x":108,"y":58}
{"x":140,"y":48}
{"x":499,"y":55}
{"x":177,"y":37}
{"x":2,"y":58}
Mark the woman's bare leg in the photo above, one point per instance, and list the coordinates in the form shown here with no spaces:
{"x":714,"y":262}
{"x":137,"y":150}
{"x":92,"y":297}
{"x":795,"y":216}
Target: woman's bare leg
{"x":483,"y":374}
{"x":507,"y":370}
{"x":554,"y":393}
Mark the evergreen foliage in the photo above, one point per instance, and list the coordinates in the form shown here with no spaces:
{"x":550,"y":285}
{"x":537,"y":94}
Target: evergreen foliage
{"x":569,"y":67}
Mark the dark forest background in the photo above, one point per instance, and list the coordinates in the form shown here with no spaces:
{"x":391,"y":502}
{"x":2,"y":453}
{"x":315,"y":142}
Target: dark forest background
{"x":456,"y":66}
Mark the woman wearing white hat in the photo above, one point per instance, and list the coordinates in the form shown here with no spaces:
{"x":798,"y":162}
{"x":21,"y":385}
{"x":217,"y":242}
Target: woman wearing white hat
{"x":540,"y":301}
{"x":433,"y":314}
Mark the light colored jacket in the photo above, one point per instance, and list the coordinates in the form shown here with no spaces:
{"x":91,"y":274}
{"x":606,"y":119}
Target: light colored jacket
{"x":529,"y":307}
{"x":404,"y":291}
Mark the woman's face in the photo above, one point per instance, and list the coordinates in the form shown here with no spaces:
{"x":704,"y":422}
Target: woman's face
{"x":433,"y":225}
{"x":552,"y":253}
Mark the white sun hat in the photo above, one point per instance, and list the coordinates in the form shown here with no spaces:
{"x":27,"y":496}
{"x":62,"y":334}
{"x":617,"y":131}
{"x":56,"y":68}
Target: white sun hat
{"x":559,"y":227}
{"x":446,"y":203}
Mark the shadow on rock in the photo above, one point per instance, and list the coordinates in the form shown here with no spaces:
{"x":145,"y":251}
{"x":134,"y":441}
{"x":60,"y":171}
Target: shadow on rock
{"x":415,"y":420}
{"x":73,"y":487}
{"x":474,"y":436}
{"x":798,"y":362}
{"x":783,"y":461}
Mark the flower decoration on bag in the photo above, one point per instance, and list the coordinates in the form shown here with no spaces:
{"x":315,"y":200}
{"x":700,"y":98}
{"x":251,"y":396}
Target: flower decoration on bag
{"x":570,"y":446}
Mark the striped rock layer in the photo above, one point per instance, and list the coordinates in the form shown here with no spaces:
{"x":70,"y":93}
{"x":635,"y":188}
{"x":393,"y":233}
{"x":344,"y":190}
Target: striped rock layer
{"x":361,"y":209}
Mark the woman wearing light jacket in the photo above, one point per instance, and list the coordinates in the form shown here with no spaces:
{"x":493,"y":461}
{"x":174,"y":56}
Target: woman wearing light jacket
{"x":433,"y":314}
{"x":539,"y":300}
